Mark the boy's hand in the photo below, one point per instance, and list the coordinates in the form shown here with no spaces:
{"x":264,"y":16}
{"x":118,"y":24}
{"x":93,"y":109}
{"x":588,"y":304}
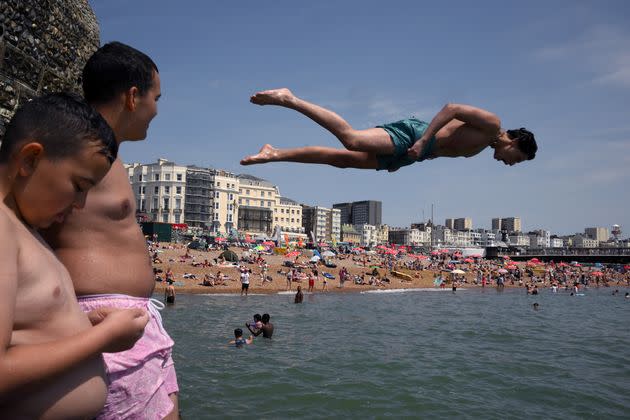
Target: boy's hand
{"x":97,"y":315}
{"x":415,"y":151}
{"x":124,"y":328}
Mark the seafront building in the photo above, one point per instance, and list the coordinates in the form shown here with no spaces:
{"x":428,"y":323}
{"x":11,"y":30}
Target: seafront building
{"x":367,"y":212}
{"x":321,"y":223}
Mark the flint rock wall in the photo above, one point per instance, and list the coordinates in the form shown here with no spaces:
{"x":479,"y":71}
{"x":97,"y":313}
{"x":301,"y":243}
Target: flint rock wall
{"x":44,"y":45}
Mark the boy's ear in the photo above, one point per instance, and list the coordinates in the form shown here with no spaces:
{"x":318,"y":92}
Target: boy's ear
{"x":28,"y":157}
{"x":131,"y":96}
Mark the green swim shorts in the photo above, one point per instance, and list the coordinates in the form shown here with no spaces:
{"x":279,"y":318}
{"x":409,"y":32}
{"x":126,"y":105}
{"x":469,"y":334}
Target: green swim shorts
{"x":404,"y":134}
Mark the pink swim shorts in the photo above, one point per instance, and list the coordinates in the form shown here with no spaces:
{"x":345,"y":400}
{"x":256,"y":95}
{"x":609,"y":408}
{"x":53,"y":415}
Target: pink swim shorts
{"x":142,"y":378}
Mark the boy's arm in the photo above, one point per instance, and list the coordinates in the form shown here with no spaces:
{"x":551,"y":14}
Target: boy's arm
{"x":256,"y":332}
{"x":477,"y":117}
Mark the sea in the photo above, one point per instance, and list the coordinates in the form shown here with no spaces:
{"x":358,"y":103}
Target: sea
{"x":422,"y":353}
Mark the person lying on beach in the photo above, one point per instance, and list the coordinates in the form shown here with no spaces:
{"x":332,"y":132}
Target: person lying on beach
{"x":239,"y":341}
{"x":456,"y":131}
{"x":54,"y":150}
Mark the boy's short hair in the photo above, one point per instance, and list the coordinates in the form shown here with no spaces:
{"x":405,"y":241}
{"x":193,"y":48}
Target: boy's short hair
{"x":63,"y":123}
{"x":526,"y":141}
{"x":115,"y":68}
{"x":238,"y":333}
{"x":257,"y":317}
{"x":265,"y":318}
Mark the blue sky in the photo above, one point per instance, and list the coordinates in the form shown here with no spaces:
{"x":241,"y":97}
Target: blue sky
{"x":561,"y":69}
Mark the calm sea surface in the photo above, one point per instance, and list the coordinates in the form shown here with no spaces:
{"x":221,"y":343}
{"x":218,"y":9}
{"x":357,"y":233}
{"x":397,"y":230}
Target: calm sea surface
{"x":473,"y":354}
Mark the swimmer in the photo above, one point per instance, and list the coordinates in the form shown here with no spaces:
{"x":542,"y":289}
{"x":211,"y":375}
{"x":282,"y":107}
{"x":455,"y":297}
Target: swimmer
{"x":239,"y":341}
{"x":299,"y":296}
{"x":456,"y":131}
{"x":535,"y":305}
{"x":266,"y":327}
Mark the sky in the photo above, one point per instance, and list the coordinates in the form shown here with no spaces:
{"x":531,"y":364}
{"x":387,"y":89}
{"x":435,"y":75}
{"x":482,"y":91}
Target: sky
{"x":560,"y":69}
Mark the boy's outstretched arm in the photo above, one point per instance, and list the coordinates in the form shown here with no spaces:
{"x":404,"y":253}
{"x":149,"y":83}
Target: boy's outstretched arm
{"x":477,"y":117}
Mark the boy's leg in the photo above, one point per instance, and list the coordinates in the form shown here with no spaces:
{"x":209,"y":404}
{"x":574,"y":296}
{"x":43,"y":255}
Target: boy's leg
{"x":339,"y":158}
{"x":373,"y":140}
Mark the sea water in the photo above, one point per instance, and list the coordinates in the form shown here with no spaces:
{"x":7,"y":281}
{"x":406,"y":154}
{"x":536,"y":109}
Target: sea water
{"x":472,"y":354}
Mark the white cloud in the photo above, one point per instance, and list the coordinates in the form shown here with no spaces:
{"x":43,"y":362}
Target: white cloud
{"x":603,"y":49}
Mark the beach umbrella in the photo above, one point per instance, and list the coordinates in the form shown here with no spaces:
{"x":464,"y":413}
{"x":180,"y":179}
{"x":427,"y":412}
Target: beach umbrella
{"x":502,"y":271}
{"x":219,"y":239}
{"x":563,"y":264}
{"x":597,"y":273}
{"x":435,"y":252}
{"x":260,"y":248}
{"x":626,"y":267}
{"x":458,"y":271}
{"x":469,"y":260}
{"x":269,"y":243}
{"x":506,"y":257}
{"x":358,"y":248}
{"x":419,"y":256}
{"x":292,"y":254}
{"x":511,"y":267}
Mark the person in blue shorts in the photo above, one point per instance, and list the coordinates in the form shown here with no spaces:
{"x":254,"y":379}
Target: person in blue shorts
{"x":239,"y":341}
{"x":456,"y":131}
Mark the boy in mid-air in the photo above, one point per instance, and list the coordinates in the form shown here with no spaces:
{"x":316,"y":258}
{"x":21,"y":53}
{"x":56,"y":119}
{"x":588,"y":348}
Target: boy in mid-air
{"x":54,"y":150}
{"x":457,"y":130}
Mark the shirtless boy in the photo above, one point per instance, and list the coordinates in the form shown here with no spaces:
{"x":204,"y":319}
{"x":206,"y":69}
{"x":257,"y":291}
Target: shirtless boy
{"x":103,"y":247}
{"x":55,"y":149}
{"x":457,"y":130}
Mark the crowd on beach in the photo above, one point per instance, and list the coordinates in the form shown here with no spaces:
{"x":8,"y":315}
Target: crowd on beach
{"x":223,"y":268}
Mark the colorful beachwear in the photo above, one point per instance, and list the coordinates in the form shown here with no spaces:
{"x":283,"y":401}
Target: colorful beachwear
{"x":141,"y":378}
{"x":404,"y":134}
{"x":240,"y":341}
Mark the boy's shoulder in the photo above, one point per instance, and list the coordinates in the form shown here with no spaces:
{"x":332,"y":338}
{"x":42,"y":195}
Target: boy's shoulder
{"x":8,"y":221}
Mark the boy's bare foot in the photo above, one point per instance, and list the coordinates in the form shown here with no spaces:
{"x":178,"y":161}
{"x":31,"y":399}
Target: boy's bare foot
{"x":266,"y":154}
{"x":273,"y":97}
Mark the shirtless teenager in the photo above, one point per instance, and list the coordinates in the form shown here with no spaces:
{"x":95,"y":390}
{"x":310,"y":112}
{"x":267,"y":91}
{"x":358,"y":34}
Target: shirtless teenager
{"x":103,"y":247}
{"x":54,"y":150}
{"x":457,"y":130}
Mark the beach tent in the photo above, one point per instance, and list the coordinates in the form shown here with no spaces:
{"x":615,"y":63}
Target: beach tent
{"x":458,"y":271}
{"x":229,"y":256}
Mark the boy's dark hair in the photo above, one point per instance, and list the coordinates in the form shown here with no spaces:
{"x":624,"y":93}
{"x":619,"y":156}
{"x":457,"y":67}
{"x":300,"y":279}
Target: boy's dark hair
{"x":257,"y":317}
{"x":238,"y":333}
{"x":526,"y":141}
{"x":114,"y":68}
{"x":61,"y":122}
{"x":265,"y":318}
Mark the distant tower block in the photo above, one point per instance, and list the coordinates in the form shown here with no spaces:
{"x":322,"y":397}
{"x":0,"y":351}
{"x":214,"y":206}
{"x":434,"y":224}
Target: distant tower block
{"x":616,"y":232}
{"x":43,"y":48}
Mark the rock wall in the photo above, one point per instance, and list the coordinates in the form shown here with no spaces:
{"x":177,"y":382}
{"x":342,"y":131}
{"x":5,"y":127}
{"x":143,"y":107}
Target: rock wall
{"x":44,"y":45}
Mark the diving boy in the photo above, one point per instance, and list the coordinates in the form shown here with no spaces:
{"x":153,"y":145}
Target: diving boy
{"x":54,"y":150}
{"x":457,"y":130}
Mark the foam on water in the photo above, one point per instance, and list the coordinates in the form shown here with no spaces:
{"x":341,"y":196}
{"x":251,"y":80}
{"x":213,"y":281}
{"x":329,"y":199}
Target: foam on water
{"x":420,"y":289}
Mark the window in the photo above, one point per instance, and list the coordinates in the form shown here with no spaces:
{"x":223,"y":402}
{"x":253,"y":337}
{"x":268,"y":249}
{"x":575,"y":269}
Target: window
{"x":216,"y":206}
{"x":216,"y":195}
{"x":156,"y":190}
{"x":167,"y":190}
{"x":292,"y":211}
{"x":230,"y":196}
{"x":216,"y":216}
{"x":142,"y":205}
{"x":247,"y":192}
{"x":139,"y":190}
{"x":218,"y":184}
{"x":229,"y":219}
{"x":230,"y":207}
{"x":179,"y":177}
{"x":268,"y":203}
{"x":166,"y":199}
{"x":167,"y":177}
{"x":292,"y":220}
{"x":177,"y":217}
{"x":140,"y":177}
{"x":155,"y":203}
{"x":178,"y":190}
{"x":144,"y":189}
{"x":247,"y":201}
{"x":276,"y":219}
{"x":178,"y":203}
{"x":165,"y":218}
{"x":240,"y":200}
{"x":268,"y":193}
{"x":156,"y":177}
{"x":240,"y":191}
{"x":262,"y":193}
